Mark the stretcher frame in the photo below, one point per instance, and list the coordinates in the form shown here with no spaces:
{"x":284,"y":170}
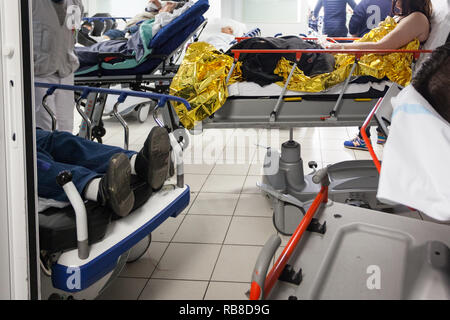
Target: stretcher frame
{"x":284,"y":282}
{"x":95,"y":265}
{"x":161,"y":77}
{"x":300,"y":110}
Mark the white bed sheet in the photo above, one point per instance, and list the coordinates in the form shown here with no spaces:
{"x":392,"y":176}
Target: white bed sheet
{"x":251,"y":89}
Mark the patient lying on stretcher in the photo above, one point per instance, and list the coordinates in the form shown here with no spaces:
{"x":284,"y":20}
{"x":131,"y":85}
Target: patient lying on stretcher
{"x":101,"y":173}
{"x":406,"y":32}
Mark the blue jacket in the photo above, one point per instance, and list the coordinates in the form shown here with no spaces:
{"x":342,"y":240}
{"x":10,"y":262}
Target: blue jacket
{"x":368,"y":14}
{"x":335,"y":16}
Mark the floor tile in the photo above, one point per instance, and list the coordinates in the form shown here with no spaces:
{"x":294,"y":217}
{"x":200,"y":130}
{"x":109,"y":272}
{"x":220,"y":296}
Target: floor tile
{"x":250,"y":231}
{"x":215,"y":204}
{"x":254,"y":205}
{"x":256,"y":169}
{"x":334,"y":156}
{"x":236,"y":155}
{"x":203,"y":229}
{"x":227,"y":291}
{"x":250,"y":185}
{"x":224,"y":184}
{"x":198,"y":168}
{"x":144,"y":267}
{"x":236,"y":263}
{"x":338,"y":133}
{"x":231,"y":169}
{"x":158,"y":289}
{"x":166,"y":231}
{"x":124,"y":289}
{"x":195,"y":181}
{"x":187,"y":262}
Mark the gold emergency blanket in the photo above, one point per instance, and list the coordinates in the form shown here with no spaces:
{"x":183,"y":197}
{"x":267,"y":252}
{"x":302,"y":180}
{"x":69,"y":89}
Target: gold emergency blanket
{"x":395,"y":66}
{"x":201,"y":79}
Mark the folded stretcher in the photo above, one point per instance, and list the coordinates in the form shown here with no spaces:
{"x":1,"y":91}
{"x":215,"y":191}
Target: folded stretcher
{"x":84,"y":247}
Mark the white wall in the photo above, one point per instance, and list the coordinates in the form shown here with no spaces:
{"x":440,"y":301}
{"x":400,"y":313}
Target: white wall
{"x":117,"y":8}
{"x":233,"y":9}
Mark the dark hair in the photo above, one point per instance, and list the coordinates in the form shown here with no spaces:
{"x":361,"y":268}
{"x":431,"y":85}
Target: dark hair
{"x":410,"y":6}
{"x":432,"y":80}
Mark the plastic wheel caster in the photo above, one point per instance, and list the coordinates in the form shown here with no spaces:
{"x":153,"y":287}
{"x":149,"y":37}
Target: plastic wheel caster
{"x":143,"y":112}
{"x":139,"y":249}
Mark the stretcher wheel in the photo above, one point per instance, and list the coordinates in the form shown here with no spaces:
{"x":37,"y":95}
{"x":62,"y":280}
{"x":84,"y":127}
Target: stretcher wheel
{"x":139,"y":249}
{"x":143,"y":112}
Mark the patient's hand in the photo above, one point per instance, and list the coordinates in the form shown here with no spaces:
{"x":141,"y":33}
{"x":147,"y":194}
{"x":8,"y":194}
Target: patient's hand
{"x":334,"y":46}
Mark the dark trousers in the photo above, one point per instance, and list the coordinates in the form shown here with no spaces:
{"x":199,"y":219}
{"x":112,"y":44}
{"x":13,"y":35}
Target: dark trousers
{"x":62,"y":151}
{"x":368,"y":132}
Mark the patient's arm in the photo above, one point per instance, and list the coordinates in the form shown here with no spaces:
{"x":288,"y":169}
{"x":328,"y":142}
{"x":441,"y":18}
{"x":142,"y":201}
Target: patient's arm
{"x":414,"y":26}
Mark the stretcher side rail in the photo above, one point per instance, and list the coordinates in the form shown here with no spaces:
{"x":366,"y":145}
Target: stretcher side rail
{"x":358,"y":53}
{"x":240,"y":39}
{"x":262,"y":285}
{"x":122,"y":96}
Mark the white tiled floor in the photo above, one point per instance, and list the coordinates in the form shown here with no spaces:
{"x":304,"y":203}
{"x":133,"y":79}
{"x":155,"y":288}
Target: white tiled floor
{"x":208,"y":252}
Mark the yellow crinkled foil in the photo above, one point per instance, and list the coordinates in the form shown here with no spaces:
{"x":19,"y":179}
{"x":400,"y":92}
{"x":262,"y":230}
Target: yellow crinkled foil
{"x":202,"y":75}
{"x":201,"y":80}
{"x":395,"y":66}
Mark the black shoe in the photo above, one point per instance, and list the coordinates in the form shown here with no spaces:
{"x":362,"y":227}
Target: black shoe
{"x":115,"y":186}
{"x":153,"y":161}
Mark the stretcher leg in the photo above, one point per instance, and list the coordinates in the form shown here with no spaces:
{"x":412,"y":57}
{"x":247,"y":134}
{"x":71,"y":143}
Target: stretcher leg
{"x":335,"y":111}
{"x":273,"y":115}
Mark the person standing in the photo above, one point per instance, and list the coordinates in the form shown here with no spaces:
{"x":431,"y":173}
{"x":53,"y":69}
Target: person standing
{"x":55,"y":27}
{"x":335,"y":16}
{"x":367,"y":15}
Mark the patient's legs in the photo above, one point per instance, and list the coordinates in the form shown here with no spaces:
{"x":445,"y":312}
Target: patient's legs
{"x":101,"y":173}
{"x":69,"y":149}
{"x":47,"y":186}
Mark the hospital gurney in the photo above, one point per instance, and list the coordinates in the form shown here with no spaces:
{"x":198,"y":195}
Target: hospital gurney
{"x":358,"y":254}
{"x":154,"y":74}
{"x":83,"y":247}
{"x":284,"y":180}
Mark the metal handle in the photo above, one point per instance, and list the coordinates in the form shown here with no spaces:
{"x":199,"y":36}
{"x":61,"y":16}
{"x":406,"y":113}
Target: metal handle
{"x":64,"y":179}
{"x":262,"y":266}
{"x":49,"y":111}
{"x":320,"y":176}
{"x":178,"y":153}
{"x":86,"y":119}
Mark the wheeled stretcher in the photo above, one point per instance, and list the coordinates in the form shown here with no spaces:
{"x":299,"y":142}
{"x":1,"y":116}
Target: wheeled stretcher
{"x":284,"y":179}
{"x":343,"y":252}
{"x":153,"y":74}
{"x":84,"y":246}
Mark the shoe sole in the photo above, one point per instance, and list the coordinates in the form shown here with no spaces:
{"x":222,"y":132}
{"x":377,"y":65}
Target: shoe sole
{"x":356,"y":148}
{"x":121,"y":197}
{"x":159,"y":157}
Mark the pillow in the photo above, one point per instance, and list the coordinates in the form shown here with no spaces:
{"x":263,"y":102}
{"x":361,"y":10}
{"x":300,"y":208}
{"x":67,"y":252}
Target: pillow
{"x":440,"y":28}
{"x":214,"y":26}
{"x":440,"y":24}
